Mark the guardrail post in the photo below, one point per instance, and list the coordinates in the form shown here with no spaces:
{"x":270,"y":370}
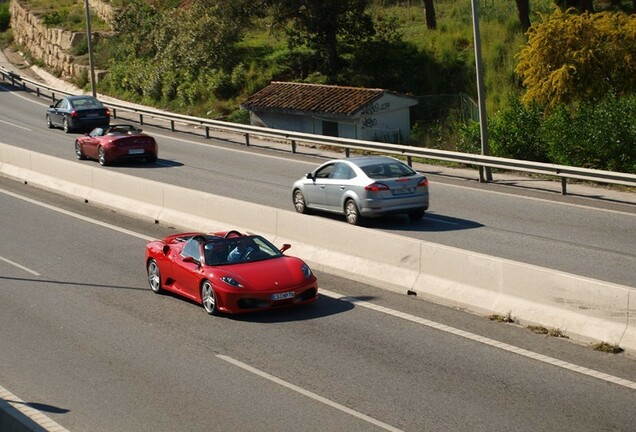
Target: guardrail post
{"x":247,"y":139}
{"x":37,"y":91}
{"x":53,"y":96}
{"x":24,"y":86}
{"x":564,"y":186}
{"x":207,"y":131}
{"x":293,"y":144}
{"x":141,"y":119}
{"x":346,"y":151}
{"x":114,"y":113}
{"x":172,"y":125}
{"x":12,"y":80}
{"x":409,"y":161}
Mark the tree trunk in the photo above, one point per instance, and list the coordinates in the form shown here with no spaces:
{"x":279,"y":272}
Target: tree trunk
{"x":523,"y":10}
{"x":429,"y":14}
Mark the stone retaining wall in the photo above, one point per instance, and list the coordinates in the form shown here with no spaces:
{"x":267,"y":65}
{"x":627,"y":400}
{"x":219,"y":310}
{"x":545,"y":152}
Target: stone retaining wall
{"x":53,"y":46}
{"x":103,"y":8}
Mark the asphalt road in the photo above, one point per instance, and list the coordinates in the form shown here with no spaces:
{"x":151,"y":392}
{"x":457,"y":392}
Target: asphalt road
{"x":584,"y":235}
{"x":84,"y":340}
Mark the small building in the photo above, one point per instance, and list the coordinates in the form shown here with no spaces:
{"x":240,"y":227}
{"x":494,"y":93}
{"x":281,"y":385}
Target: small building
{"x":346,"y":112}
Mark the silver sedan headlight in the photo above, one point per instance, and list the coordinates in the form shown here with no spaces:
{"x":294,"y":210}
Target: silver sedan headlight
{"x":231,"y":281}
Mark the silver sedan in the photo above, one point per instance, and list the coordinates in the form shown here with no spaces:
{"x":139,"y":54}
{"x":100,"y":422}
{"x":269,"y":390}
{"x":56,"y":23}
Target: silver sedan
{"x":365,"y":186}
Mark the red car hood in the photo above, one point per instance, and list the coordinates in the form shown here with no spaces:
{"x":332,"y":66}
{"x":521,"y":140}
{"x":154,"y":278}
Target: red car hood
{"x":266,"y":275}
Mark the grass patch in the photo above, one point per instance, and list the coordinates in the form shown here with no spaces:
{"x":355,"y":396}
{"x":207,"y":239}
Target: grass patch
{"x":607,"y":348}
{"x":65,"y":14}
{"x":553,"y":332}
{"x":502,"y":318}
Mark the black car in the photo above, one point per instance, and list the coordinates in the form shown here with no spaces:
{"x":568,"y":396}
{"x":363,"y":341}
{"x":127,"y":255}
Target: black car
{"x":77,"y":113}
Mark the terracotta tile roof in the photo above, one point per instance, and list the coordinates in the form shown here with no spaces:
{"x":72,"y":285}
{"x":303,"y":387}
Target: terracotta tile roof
{"x":315,"y":98}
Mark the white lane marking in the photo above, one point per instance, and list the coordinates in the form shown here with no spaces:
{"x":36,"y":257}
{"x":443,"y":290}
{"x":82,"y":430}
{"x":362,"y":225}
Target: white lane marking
{"x":484,"y":340}
{"x":412,"y":318}
{"x":429,"y":216}
{"x":21,"y":267}
{"x":22,"y":97}
{"x":208,"y":145}
{"x":543,"y":200}
{"x":308,"y":394}
{"x":15,"y":125}
{"x":78,"y":216}
{"x":9,"y":399}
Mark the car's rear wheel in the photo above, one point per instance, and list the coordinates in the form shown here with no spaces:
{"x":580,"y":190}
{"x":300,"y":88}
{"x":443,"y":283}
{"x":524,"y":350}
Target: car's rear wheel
{"x":299,"y":202}
{"x":208,"y":298}
{"x":101,"y":156}
{"x":416,"y":215}
{"x":48,"y":122}
{"x":78,"y":151}
{"x":154,"y":276}
{"x":151,"y":159}
{"x":66,"y":126}
{"x":352,"y":213}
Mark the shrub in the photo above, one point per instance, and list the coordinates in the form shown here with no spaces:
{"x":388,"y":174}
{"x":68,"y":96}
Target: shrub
{"x":5,"y":17}
{"x":239,"y":116}
{"x":599,"y":136}
{"x":469,"y":140}
{"x":515,"y":132}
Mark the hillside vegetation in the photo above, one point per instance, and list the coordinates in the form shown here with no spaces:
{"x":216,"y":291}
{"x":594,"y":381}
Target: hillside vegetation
{"x":562,"y":93}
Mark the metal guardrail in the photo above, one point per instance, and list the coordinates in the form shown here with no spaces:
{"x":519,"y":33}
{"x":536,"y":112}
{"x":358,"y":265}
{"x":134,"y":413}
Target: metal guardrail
{"x":563,"y":172}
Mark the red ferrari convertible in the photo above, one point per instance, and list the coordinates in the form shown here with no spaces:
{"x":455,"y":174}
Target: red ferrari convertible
{"x":116,"y":142}
{"x":229,"y":272}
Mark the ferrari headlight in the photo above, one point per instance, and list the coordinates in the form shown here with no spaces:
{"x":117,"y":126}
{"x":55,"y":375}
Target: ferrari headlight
{"x":306,"y":271}
{"x":231,"y":281}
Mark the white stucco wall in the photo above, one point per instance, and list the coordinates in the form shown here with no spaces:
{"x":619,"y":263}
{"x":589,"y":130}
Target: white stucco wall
{"x":382,"y":120}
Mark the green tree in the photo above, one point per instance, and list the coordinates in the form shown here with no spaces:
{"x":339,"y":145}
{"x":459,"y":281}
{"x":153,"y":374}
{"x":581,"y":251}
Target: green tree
{"x":573,"y":57}
{"x":323,"y":26}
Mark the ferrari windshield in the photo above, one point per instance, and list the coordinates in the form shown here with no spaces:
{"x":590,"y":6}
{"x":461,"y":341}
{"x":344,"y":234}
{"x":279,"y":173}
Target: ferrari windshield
{"x":237,"y":250}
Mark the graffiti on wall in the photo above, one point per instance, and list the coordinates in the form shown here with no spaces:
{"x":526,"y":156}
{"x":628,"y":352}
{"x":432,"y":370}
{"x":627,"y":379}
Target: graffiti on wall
{"x":375,"y":107}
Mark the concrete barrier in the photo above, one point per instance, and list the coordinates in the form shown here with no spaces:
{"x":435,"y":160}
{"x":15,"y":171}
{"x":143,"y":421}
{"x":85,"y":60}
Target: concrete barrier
{"x":580,"y":307}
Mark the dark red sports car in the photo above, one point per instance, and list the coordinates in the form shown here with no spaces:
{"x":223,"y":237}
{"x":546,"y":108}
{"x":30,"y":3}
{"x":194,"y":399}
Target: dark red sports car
{"x":229,"y":272}
{"x":116,"y":142}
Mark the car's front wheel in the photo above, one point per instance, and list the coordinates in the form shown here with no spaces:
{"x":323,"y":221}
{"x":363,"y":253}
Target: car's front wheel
{"x":78,"y":151}
{"x":154,"y":276}
{"x":208,"y":298}
{"x":299,"y":202}
{"x":101,"y":156}
{"x":352,"y":213}
{"x":48,"y":122}
{"x":66,"y":126}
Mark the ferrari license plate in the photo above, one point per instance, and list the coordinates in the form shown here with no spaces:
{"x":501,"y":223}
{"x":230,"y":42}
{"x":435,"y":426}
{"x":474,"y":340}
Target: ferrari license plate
{"x":283,"y":296}
{"x":136,"y":151}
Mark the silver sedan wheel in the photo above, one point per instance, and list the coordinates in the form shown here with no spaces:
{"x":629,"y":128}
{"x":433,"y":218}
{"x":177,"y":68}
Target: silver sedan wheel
{"x":48,"y":122}
{"x":154,"y":276}
{"x":208,"y":298}
{"x":351,"y":212}
{"x":299,"y":202}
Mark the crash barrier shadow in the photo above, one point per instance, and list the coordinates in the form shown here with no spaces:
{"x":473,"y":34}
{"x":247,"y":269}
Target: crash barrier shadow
{"x":583,"y":308}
